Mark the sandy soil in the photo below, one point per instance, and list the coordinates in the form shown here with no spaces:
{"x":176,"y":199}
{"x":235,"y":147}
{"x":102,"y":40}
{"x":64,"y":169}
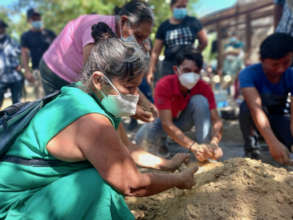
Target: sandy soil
{"x":236,"y":189}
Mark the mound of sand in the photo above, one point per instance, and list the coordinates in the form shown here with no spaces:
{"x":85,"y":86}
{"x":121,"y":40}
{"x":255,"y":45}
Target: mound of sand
{"x":236,"y":189}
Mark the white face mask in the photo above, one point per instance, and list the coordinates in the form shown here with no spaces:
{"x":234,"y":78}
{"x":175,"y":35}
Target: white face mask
{"x":189,"y":80}
{"x":120,"y":105}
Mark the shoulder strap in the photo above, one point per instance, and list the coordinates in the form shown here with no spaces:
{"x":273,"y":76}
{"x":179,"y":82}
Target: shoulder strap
{"x":15,"y":118}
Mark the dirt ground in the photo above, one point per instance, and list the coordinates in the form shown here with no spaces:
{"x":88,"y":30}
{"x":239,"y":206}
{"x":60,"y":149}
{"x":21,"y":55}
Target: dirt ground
{"x":233,"y":188}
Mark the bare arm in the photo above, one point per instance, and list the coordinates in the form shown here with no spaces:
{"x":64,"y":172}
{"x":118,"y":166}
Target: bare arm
{"x":172,"y":130}
{"x":291,"y":118}
{"x":253,"y":100}
{"x":278,"y":11}
{"x":202,"y":39}
{"x":217,"y":127}
{"x":158,"y":46}
{"x":86,"y":51}
{"x":101,"y":145}
{"x":25,"y":58}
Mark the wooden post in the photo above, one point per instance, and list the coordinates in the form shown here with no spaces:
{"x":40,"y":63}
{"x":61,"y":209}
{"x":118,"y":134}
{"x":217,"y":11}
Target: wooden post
{"x":220,"y":48}
{"x":248,"y":34}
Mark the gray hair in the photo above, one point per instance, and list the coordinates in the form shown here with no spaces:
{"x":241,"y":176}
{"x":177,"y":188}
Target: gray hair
{"x":115,"y":59}
{"x":137,"y":12}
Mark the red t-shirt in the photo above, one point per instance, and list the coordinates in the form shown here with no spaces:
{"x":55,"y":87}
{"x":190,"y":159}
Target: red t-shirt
{"x":169,"y":96}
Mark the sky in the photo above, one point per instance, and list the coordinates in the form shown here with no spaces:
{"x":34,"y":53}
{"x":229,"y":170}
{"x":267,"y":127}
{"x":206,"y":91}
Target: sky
{"x":202,"y":8}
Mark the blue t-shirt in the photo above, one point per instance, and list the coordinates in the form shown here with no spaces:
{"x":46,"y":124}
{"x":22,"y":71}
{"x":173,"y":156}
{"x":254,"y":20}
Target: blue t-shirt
{"x":274,"y":95}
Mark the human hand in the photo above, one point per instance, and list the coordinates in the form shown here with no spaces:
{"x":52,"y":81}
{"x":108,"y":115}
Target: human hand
{"x":29,"y":76}
{"x":176,"y":161}
{"x":217,"y":151}
{"x":279,"y":152}
{"x":202,"y":152}
{"x":143,"y":115}
{"x":186,"y":178}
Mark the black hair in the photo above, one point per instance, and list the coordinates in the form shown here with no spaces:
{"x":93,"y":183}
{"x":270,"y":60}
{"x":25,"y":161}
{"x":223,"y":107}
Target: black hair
{"x":188,"y":53}
{"x":276,"y":46}
{"x":100,"y":31}
{"x":137,"y":12}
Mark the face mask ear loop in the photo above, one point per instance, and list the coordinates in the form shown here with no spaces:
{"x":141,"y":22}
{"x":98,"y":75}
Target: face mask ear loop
{"x":108,"y":80}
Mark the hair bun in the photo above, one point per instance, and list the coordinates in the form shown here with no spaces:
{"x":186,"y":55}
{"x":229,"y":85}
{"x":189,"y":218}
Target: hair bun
{"x":101,"y":31}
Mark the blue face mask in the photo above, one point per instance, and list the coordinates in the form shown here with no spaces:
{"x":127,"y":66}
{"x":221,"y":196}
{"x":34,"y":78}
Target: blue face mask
{"x":179,"y":13}
{"x":37,"y":24}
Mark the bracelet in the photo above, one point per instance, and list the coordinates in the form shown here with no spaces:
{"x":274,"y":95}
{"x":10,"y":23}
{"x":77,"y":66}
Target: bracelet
{"x":189,"y":147}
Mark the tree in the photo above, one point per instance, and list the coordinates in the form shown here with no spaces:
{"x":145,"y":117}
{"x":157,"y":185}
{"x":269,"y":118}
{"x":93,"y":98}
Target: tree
{"x":56,"y":13}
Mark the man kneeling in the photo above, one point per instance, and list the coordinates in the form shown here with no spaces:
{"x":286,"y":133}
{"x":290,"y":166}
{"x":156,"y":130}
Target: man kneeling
{"x":265,"y":87}
{"x":184,"y":101}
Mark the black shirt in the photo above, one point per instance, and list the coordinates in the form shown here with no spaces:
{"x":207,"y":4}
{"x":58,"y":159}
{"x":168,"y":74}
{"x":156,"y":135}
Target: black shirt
{"x":174,"y":36}
{"x":37,"y":42}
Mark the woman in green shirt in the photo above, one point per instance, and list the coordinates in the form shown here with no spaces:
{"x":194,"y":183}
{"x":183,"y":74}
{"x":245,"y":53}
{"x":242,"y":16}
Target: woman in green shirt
{"x":92,"y":162}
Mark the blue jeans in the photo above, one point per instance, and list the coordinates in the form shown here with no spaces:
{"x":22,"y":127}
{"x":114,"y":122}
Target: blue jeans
{"x":197,"y":113}
{"x":15,"y":88}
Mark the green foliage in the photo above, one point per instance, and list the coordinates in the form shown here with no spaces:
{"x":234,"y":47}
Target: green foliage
{"x":56,"y":13}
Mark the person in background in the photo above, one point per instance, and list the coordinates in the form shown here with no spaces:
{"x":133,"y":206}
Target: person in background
{"x":63,"y":62}
{"x":232,"y":65}
{"x":283,"y":16}
{"x":184,"y":101}
{"x":265,"y":87}
{"x":34,"y":44}
{"x":88,"y":163}
{"x":10,"y":75}
{"x":178,"y":31}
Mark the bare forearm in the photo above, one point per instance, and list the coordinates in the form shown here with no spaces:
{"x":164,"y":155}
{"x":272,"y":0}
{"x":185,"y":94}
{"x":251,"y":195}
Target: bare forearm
{"x":178,"y":136}
{"x":153,"y":62}
{"x":217,"y":132}
{"x":263,"y":125}
{"x":155,"y":183}
{"x":25,"y":60}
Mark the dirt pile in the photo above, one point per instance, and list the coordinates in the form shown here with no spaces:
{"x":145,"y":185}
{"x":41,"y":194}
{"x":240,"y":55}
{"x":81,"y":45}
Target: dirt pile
{"x":236,"y":189}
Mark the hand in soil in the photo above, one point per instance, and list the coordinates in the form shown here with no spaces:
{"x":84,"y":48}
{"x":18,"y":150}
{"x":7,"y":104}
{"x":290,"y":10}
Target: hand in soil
{"x":186,"y":178}
{"x":280,"y":153}
{"x":177,"y":160}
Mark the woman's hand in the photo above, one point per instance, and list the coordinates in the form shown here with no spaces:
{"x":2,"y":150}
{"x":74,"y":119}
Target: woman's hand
{"x":176,"y":161}
{"x":186,"y":178}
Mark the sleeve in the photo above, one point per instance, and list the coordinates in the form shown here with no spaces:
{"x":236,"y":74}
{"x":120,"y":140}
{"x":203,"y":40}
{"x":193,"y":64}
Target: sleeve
{"x":246,"y":78}
{"x":161,"y":32}
{"x":162,"y":96}
{"x":196,"y":25}
{"x":24,"y":41}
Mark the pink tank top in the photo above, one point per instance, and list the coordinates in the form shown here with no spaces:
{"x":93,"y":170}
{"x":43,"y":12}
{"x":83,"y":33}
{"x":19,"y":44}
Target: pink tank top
{"x":65,"y":56}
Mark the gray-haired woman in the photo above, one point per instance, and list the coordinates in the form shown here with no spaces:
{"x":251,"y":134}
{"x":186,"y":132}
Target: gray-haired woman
{"x":94,"y":162}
